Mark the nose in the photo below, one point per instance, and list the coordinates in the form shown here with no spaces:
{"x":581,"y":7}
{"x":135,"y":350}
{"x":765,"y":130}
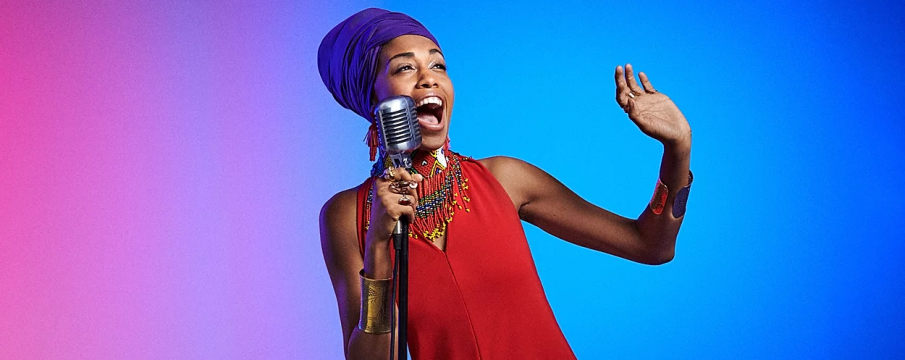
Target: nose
{"x":428,"y":80}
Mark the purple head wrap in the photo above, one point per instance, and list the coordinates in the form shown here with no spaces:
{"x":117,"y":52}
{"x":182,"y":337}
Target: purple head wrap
{"x":347,"y":57}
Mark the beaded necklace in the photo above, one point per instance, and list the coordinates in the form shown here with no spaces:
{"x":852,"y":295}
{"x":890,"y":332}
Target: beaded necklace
{"x":443,"y":191}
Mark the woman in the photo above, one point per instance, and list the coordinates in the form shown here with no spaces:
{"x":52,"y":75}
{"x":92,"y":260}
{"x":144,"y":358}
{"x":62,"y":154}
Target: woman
{"x":474,"y":291}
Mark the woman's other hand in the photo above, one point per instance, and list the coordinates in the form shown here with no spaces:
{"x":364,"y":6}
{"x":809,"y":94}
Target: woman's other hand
{"x":653,"y":112}
{"x":394,"y":195}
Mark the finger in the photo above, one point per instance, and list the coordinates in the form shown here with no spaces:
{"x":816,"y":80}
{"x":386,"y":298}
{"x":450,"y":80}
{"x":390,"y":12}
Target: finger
{"x":389,"y":174}
{"x":394,"y":204}
{"x":403,"y":175}
{"x":397,"y":212}
{"x":621,"y":88}
{"x":405,"y":184}
{"x":648,"y":87}
{"x":381,"y":180}
{"x":407,"y":206}
{"x":385,"y":190}
{"x":412,"y":190}
{"x":412,"y":194}
{"x":630,"y":79}
{"x":413,"y":206}
{"x":405,"y":200}
{"x":400,"y":187}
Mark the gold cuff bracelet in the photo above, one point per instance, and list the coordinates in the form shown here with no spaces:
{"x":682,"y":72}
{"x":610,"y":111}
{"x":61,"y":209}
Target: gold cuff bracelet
{"x":375,"y":305}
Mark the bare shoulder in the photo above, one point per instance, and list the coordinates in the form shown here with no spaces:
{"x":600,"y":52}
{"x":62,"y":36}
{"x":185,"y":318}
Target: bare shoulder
{"x":340,"y":205}
{"x":509,"y":169}
{"x":338,"y":223}
{"x":518,"y":177}
{"x":505,"y":166}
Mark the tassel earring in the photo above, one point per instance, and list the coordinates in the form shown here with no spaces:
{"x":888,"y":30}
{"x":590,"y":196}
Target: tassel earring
{"x":371,"y":140}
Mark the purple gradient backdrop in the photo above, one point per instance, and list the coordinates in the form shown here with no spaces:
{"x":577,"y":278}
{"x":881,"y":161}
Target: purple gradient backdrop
{"x":158,"y":181}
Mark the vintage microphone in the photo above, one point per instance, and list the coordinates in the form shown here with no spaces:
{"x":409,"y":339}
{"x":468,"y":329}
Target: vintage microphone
{"x":399,"y":134}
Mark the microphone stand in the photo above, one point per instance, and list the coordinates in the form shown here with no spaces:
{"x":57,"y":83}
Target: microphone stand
{"x":401,"y":244}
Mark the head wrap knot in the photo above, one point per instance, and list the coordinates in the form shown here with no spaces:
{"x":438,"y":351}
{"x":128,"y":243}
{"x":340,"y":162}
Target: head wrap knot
{"x":347,"y":56}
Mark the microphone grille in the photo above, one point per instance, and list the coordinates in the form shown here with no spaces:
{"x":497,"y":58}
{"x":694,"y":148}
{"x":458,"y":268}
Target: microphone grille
{"x":397,"y":125}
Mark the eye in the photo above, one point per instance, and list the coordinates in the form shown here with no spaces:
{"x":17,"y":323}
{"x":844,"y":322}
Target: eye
{"x":440,"y":66}
{"x":402,"y":68}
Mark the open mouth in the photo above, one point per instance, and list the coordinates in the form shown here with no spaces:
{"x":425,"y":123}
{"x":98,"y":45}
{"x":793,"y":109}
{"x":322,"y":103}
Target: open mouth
{"x":430,"y":113}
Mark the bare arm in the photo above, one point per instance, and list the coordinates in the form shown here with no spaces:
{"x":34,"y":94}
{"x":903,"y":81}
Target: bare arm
{"x":339,"y":243}
{"x":548,"y":204}
{"x":657,"y":116}
{"x":545,"y":202}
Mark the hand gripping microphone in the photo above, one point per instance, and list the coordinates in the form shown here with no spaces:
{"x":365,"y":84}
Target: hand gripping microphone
{"x":397,"y":129}
{"x":399,"y":134}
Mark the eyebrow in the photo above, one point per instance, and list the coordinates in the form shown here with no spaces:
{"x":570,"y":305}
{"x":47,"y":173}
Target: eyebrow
{"x":411,"y":54}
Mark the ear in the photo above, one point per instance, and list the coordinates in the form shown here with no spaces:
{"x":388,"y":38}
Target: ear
{"x":373,"y":105}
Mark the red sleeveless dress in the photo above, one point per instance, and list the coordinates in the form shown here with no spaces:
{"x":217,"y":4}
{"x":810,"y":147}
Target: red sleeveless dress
{"x":482,"y":297}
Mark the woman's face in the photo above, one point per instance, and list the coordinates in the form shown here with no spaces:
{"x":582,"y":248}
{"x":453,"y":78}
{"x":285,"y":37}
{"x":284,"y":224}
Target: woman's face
{"x":413,"y":65}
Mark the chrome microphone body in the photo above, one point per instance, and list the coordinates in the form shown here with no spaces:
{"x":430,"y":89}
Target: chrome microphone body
{"x":397,"y":129}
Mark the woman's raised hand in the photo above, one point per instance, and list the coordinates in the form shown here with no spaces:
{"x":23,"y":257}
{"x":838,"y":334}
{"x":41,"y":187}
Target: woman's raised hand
{"x":654,"y":113}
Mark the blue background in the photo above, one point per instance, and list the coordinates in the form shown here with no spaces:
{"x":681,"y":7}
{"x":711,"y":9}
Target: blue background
{"x":164,"y":162}
{"x":793,"y":244}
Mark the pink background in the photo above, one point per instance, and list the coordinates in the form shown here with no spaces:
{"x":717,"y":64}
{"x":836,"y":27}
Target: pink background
{"x":159,"y":181}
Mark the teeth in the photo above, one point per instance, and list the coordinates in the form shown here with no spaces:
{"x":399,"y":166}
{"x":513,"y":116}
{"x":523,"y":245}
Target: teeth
{"x":430,"y":100}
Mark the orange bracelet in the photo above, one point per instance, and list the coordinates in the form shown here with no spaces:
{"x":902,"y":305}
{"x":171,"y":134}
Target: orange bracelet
{"x":658,"y":202}
{"x":661,"y":192}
